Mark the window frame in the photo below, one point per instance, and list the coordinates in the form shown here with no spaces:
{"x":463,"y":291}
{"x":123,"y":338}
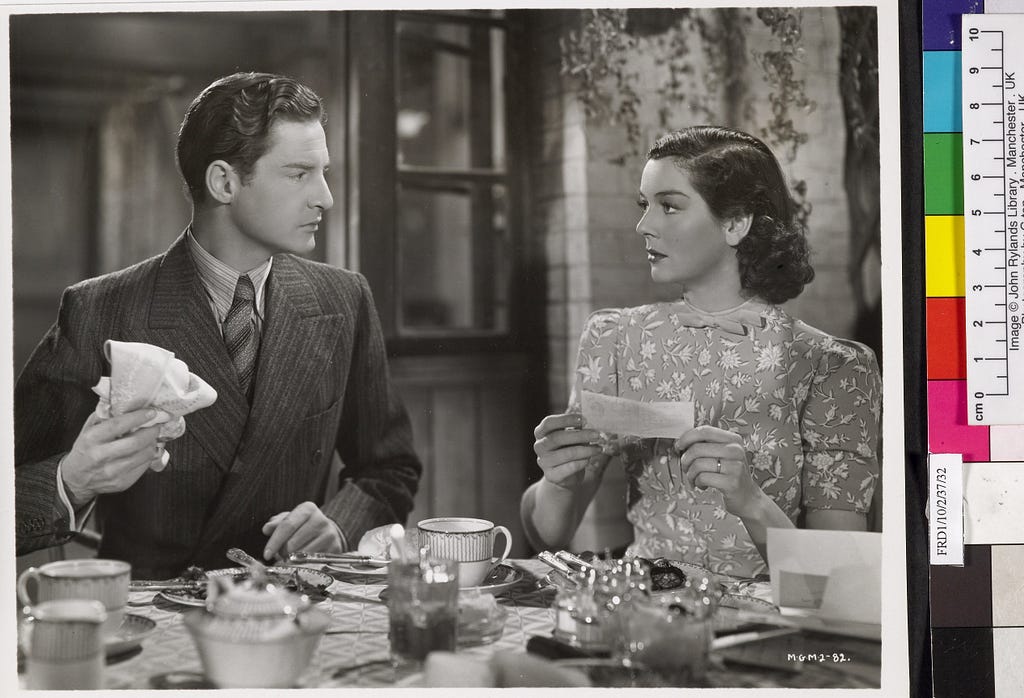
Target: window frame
{"x":375,"y":177}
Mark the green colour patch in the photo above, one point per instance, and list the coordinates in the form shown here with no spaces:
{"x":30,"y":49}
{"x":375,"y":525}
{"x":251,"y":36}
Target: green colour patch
{"x":943,"y":174}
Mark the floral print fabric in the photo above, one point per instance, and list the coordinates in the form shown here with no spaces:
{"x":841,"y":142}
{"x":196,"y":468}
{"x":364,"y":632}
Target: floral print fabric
{"x":807,"y":406}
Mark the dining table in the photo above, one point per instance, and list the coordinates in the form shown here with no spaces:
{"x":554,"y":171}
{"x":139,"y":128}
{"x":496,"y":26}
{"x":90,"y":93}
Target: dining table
{"x":355,"y":650}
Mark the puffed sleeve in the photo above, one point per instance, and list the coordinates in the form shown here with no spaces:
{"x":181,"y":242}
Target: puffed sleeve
{"x":597,"y":357}
{"x":840,"y":428}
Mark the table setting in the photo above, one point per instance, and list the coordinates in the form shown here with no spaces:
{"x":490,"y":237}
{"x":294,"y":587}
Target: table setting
{"x":425,"y":607}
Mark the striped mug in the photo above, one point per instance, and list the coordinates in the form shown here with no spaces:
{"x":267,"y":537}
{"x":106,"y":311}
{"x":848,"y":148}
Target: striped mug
{"x":100,"y":580}
{"x":470,"y":542}
{"x":63,"y":644}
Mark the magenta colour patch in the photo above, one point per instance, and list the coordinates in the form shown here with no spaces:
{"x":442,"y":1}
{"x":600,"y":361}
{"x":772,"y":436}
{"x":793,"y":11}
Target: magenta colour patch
{"x":948,"y":431}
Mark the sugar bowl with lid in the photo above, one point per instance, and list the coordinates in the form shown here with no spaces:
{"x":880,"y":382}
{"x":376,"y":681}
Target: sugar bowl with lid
{"x":255,"y":635}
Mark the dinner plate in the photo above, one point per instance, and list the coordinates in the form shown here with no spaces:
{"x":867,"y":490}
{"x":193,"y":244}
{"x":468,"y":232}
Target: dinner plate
{"x":134,"y":629}
{"x":309,"y":576}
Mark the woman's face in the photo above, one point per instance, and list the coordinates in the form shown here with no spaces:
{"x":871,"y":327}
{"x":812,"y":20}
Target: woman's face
{"x":685,"y":243}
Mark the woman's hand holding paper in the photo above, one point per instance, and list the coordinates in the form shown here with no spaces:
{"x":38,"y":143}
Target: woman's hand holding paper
{"x":566,"y":451}
{"x":713,"y":457}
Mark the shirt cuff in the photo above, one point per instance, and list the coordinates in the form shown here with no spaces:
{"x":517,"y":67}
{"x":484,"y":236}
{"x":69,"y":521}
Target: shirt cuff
{"x":66,"y":501}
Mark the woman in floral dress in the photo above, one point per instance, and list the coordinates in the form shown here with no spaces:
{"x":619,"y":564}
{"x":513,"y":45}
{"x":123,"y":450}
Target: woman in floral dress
{"x":786,"y":416}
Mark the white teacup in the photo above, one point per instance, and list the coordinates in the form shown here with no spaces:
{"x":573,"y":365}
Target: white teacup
{"x":100,"y":580}
{"x":468,"y":541}
{"x":63,"y":643}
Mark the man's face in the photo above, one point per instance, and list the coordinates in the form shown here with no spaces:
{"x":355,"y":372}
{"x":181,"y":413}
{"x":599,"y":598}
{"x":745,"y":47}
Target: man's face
{"x":279,"y":208}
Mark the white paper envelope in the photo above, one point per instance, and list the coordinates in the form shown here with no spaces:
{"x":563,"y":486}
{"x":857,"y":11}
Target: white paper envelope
{"x":851,"y":561}
{"x":623,"y":417}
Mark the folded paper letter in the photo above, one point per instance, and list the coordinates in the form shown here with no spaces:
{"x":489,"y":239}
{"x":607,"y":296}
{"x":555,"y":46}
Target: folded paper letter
{"x":832,"y":574}
{"x":616,"y":415}
{"x":144,"y":375}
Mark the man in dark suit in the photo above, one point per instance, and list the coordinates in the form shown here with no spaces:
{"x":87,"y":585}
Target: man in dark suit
{"x":294,"y":349}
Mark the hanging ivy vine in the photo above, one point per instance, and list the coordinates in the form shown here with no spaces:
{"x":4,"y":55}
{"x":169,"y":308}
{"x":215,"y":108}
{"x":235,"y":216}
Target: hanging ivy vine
{"x":787,"y":90}
{"x":597,"y":58}
{"x":705,"y":59}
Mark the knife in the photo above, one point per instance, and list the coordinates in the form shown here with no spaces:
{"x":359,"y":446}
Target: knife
{"x":305,"y":556}
{"x":354,"y":558}
{"x":166,"y":585}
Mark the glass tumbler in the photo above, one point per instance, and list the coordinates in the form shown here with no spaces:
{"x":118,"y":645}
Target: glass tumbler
{"x":665,"y":635}
{"x":423,"y":608}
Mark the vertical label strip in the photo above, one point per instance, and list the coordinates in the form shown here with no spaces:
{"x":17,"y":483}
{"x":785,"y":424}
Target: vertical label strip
{"x":945,"y":504}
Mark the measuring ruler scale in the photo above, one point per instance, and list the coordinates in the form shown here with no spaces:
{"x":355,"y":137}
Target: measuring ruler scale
{"x":992,"y":63}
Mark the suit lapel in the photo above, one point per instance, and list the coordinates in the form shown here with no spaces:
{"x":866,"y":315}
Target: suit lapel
{"x":180,"y":320}
{"x":295,"y":347}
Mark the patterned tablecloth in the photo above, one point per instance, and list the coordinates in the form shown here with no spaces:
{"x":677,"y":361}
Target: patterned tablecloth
{"x":355,"y":650}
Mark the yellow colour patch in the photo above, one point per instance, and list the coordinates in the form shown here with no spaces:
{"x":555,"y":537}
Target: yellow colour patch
{"x":944,"y":256}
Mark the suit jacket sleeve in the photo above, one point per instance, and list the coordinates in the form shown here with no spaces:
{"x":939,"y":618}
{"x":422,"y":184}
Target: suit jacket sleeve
{"x":52,"y":400}
{"x":374,"y":440}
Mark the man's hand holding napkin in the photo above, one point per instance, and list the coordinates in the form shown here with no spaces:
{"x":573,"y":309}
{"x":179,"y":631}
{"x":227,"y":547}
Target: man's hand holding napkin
{"x":142,"y":406}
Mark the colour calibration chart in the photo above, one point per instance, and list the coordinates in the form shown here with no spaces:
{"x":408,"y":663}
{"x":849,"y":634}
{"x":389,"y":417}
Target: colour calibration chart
{"x":973,"y":110}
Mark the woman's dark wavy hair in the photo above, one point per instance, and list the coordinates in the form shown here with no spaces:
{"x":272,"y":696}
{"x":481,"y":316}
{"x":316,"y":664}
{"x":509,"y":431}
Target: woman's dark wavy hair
{"x":231,"y":120}
{"x":736,"y":174}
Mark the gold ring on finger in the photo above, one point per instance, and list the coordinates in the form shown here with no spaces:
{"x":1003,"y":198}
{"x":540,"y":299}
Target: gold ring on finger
{"x":718,"y":466}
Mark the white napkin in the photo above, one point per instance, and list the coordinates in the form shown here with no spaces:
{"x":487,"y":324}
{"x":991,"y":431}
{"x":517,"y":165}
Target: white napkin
{"x":144,"y":375}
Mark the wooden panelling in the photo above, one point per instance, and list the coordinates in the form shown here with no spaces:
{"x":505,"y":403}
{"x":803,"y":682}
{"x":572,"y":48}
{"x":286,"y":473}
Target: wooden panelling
{"x":468,"y":422}
{"x":456,"y":430}
{"x":503,"y":442}
{"x":418,"y":404}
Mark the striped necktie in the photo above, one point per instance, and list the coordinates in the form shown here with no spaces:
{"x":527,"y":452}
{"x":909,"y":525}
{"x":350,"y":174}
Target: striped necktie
{"x":240,"y":333}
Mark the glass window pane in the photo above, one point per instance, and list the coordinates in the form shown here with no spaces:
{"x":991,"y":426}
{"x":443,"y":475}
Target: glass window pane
{"x":453,"y":258}
{"x":451,"y":101}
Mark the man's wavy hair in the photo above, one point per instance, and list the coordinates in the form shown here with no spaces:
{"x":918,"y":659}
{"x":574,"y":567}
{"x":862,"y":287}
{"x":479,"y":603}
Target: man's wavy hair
{"x":231,"y":120}
{"x":736,"y":174}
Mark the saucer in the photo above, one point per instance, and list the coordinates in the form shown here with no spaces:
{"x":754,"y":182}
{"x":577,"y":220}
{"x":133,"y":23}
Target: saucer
{"x":134,"y":629}
{"x":502,"y":578}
